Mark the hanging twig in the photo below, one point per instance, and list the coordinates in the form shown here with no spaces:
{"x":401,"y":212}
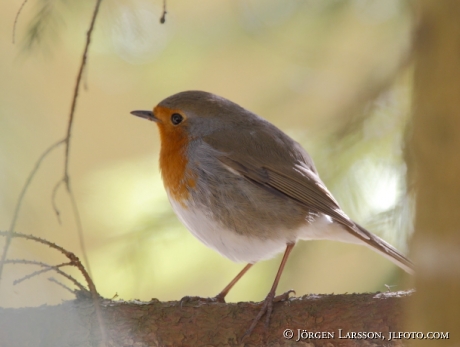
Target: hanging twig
{"x":53,"y":200}
{"x":20,"y":200}
{"x":66,"y":177}
{"x":75,"y":93}
{"x":16,"y":19}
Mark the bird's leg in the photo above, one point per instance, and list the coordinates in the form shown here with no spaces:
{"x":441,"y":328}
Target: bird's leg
{"x":267,"y":306}
{"x":221,"y":296}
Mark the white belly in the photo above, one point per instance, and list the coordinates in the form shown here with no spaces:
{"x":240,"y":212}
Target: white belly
{"x":234,"y":246}
{"x":243,"y":248}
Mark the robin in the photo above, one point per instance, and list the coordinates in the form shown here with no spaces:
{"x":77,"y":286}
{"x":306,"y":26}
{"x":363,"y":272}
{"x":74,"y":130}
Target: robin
{"x":246,"y":189}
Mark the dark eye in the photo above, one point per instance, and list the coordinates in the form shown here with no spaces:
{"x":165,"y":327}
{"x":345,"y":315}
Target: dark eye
{"x":176,"y":118}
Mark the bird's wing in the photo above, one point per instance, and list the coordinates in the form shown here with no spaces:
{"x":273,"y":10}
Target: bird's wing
{"x":271,"y":159}
{"x":298,"y":183}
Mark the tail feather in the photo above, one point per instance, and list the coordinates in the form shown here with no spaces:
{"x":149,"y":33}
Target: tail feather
{"x":384,"y":248}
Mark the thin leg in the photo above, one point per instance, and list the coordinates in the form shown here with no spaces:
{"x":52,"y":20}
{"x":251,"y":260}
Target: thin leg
{"x":221,"y":296}
{"x":267,"y":306}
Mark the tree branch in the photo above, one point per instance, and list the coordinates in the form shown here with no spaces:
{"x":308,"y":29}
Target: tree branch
{"x":209,"y":324}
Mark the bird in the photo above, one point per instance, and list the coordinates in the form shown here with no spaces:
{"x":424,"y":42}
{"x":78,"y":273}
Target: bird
{"x":245,"y":188}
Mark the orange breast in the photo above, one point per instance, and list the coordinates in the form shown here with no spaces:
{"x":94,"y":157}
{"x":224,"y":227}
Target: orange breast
{"x":173,"y":161}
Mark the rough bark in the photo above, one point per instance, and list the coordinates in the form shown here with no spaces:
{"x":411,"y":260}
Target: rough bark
{"x":156,"y":323}
{"x":434,"y":170}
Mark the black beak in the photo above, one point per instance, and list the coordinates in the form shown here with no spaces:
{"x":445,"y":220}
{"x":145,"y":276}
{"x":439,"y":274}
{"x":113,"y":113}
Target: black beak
{"x":145,"y":114}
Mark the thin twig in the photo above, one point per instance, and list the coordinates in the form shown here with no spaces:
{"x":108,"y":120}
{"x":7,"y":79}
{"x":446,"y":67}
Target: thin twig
{"x":80,"y":232}
{"x":94,"y":294}
{"x":52,"y":279}
{"x":21,"y":198}
{"x":38,"y":272}
{"x":16,"y":19}
{"x":163,"y":16}
{"x":34,"y":262}
{"x":75,"y":93}
{"x":66,"y":177}
{"x":53,"y":200}
{"x":48,"y":268}
{"x":70,"y":278}
{"x":33,"y":274}
{"x":72,"y":257}
{"x":73,"y":280}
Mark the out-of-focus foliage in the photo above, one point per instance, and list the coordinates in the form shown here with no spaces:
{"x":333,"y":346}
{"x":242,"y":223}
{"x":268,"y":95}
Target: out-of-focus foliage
{"x":326,"y":72}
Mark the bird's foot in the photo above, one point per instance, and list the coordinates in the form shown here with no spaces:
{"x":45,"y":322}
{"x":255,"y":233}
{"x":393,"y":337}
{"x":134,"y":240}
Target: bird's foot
{"x":284,"y":296}
{"x":187,"y":299}
{"x":267,"y":308}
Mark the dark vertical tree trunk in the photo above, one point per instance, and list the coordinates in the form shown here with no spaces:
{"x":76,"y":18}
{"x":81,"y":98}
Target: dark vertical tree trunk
{"x":434,"y":170}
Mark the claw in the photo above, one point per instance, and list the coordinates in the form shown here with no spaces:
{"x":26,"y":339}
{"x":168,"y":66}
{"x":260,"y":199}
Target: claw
{"x":284,"y":296}
{"x":267,"y":309}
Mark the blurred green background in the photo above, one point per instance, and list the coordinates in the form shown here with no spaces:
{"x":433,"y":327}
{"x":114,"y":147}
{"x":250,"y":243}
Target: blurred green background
{"x":331,"y":74}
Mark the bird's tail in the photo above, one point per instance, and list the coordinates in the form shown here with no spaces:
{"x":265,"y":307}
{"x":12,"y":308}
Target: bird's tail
{"x":384,"y":248}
